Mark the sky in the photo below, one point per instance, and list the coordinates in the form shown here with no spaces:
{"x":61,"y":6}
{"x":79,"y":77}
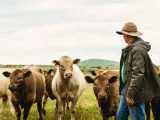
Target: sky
{"x":40,"y":31}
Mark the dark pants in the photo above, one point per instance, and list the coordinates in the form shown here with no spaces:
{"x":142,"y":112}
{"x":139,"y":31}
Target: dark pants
{"x":136,"y":111}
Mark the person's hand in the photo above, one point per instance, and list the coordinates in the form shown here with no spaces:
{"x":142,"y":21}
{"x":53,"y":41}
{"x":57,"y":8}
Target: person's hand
{"x":130,"y":100}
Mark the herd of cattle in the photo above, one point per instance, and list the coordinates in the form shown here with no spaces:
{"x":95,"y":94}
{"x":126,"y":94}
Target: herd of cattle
{"x":65,"y":84}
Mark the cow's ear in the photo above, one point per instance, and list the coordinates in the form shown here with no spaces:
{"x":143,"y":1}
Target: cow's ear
{"x":93,"y":73}
{"x":27,"y":74}
{"x":56,"y":62}
{"x":113,"y":79}
{"x":89,"y":79}
{"x":6,"y":73}
{"x":51,"y":72}
{"x":76,"y":61}
{"x":45,"y":72}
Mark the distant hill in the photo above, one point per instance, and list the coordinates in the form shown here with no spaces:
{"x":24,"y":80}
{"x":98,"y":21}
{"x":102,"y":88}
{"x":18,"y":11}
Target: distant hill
{"x":99,"y":62}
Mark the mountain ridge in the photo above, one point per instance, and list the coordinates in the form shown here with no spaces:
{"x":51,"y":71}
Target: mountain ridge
{"x":99,"y":62}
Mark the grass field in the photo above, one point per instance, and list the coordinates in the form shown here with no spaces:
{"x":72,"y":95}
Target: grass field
{"x":87,"y":108}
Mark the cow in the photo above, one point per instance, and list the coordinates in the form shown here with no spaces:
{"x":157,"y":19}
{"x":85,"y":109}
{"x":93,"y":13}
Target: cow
{"x":155,"y":103}
{"x":48,"y":90}
{"x":5,"y":95}
{"x":68,"y":84}
{"x":106,"y":90}
{"x":27,"y":87}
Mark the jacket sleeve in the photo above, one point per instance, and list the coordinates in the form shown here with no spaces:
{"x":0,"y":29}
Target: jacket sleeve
{"x":138,"y":70}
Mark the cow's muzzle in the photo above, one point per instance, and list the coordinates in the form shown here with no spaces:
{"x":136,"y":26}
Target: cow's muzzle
{"x":68,"y":75}
{"x":102,"y":96}
{"x":12,"y":87}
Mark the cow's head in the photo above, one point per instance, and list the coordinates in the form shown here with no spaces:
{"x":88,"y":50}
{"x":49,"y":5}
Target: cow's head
{"x":52,"y":72}
{"x":157,"y":70}
{"x":49,"y":74}
{"x":101,"y":82}
{"x":66,"y":66}
{"x":17,"y":78}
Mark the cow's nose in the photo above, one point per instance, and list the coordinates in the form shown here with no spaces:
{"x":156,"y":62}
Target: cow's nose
{"x":11,"y":86}
{"x":102,"y":95}
{"x":68,"y":75}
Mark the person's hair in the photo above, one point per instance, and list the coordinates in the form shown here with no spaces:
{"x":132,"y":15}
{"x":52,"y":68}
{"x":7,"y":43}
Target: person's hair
{"x":134,"y":37}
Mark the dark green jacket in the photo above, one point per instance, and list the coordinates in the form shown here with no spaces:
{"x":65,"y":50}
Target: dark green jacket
{"x":141,"y":81}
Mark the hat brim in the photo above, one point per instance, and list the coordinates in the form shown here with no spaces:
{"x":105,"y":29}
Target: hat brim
{"x":134,"y":34}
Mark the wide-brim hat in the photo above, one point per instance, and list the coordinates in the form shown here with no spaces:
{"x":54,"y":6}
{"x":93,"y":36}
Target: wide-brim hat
{"x":130,"y":29}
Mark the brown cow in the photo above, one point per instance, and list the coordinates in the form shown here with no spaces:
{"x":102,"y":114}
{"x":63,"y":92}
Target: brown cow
{"x":68,"y":84}
{"x":155,"y":103}
{"x":48,"y":90}
{"x":106,"y":90}
{"x":27,"y":87}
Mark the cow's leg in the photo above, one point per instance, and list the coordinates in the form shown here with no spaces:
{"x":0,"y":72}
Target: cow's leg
{"x":67,"y":106}
{"x":4,"y":102}
{"x":60,"y":107}
{"x":39,"y":107}
{"x":156,"y":109}
{"x":27,"y":107}
{"x":147,"y":111}
{"x":45,"y":97}
{"x":73,"y":107}
{"x":64,"y":106}
{"x":105,"y":117}
{"x":56,"y":108}
{"x":11,"y":106}
{"x":17,"y":108}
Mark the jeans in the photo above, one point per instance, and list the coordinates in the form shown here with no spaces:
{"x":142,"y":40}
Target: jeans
{"x":135,"y":111}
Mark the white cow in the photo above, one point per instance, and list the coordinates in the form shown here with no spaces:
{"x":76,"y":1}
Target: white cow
{"x":5,"y":95}
{"x":68,"y":84}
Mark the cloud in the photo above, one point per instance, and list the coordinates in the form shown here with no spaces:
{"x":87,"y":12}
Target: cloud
{"x":36,"y":32}
{"x":47,"y":4}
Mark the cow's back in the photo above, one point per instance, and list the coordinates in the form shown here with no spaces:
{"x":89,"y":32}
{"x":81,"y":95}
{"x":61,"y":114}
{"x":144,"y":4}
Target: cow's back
{"x":35,"y":68}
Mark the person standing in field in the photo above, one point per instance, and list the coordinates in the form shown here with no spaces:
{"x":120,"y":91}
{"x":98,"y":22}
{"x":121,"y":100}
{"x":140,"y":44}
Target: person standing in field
{"x":139,"y":81}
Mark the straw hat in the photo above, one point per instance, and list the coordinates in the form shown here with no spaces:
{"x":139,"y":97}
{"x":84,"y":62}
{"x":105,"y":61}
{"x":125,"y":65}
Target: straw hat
{"x":130,"y":29}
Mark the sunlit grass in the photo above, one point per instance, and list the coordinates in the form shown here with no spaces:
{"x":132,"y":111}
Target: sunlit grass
{"x":87,"y":109}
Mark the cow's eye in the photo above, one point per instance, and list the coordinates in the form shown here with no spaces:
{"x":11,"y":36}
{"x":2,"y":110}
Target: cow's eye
{"x":107,"y":86}
{"x":95,"y":85}
{"x":62,"y":68}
